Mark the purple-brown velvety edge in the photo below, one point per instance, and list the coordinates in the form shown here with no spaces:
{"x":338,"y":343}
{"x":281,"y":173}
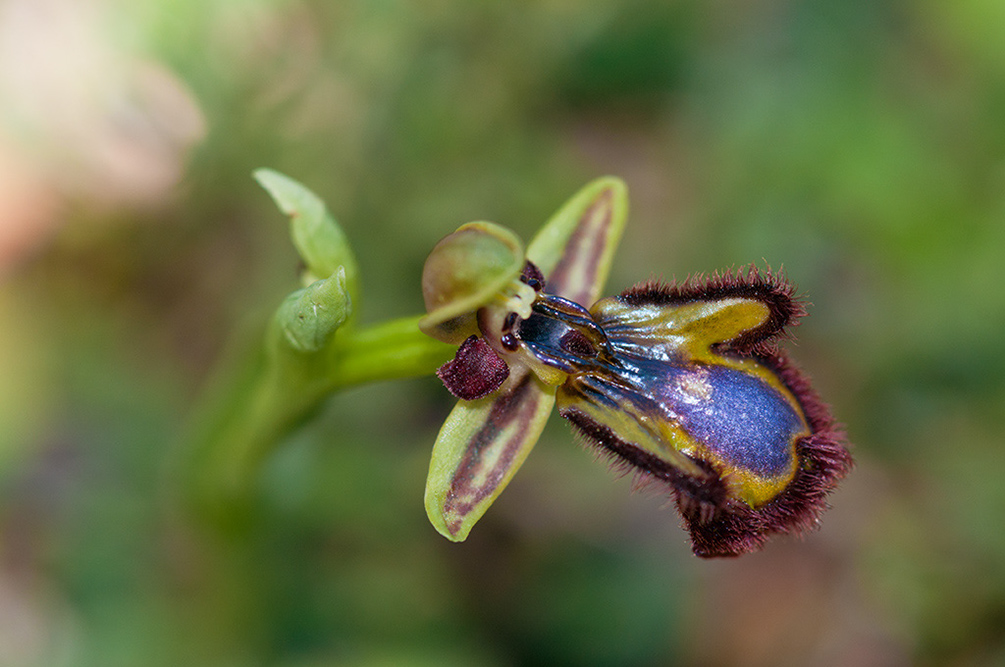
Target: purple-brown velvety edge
{"x":772,"y":289}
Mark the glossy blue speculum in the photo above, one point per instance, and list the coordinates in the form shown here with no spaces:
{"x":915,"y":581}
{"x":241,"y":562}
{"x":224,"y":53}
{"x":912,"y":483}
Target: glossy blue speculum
{"x":733,"y":420}
{"x":739,"y":417}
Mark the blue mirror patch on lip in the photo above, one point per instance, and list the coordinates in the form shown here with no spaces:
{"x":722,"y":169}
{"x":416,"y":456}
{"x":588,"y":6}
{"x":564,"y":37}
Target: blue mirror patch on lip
{"x":739,"y":417}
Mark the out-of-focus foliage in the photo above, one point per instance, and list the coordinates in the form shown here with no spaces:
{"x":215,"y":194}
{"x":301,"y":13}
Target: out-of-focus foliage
{"x":860,"y":144}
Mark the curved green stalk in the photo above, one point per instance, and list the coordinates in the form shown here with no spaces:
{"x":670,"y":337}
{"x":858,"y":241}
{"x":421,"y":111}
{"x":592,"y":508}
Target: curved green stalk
{"x":276,"y":389}
{"x":311,"y":348}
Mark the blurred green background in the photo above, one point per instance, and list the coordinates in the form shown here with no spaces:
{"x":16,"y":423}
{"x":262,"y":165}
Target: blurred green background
{"x":858,"y":144}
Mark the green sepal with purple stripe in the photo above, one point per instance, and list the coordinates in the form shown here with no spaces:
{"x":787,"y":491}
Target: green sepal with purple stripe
{"x":479,"y":449}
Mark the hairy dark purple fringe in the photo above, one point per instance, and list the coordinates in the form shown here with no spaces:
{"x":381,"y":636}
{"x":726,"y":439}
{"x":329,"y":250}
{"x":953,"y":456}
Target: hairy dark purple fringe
{"x":740,"y":529}
{"x":771,"y":288}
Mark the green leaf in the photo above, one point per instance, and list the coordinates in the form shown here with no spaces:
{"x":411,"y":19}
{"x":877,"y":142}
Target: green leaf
{"x":479,"y":449}
{"x":309,"y":317}
{"x":576,"y":246}
{"x":318,"y":238}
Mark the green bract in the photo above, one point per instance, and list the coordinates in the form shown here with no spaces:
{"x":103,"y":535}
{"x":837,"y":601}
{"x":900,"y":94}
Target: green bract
{"x":318,"y":238}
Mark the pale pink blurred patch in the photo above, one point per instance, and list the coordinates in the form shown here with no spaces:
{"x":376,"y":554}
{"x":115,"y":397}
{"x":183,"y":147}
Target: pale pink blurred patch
{"x":28,"y":207}
{"x":82,"y":119}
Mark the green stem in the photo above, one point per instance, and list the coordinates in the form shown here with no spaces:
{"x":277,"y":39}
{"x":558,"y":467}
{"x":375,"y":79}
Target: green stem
{"x":274,"y":391}
{"x":387,"y":351}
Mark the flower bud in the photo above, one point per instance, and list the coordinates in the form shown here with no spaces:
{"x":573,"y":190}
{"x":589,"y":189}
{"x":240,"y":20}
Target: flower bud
{"x":309,"y":317}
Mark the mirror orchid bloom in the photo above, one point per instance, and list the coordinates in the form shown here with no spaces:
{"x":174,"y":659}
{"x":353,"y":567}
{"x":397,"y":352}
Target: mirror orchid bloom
{"x":683,"y":384}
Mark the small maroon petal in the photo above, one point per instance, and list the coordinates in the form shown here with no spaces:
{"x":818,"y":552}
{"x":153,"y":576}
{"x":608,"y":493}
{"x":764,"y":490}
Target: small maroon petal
{"x":475,"y":371}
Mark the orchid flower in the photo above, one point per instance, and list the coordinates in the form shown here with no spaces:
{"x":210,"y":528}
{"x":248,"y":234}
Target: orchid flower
{"x":682,"y":383}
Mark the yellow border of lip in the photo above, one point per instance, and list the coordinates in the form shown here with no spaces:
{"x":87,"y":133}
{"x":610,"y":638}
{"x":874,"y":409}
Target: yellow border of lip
{"x":456,"y":308}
